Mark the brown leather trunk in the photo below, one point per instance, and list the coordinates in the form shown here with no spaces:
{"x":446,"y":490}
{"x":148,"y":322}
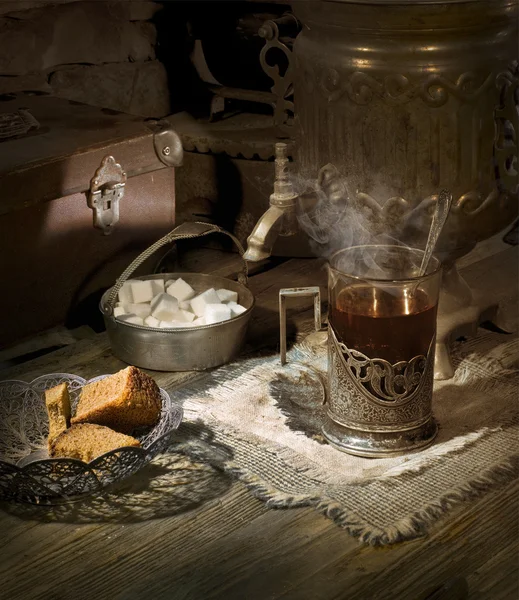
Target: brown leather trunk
{"x":55,"y":264}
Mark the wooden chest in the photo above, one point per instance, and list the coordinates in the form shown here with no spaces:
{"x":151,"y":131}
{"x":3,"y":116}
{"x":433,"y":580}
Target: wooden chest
{"x":55,"y":264}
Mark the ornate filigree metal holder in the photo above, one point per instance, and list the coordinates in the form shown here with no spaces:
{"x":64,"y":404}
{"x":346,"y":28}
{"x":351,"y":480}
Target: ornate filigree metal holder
{"x":376,"y":408}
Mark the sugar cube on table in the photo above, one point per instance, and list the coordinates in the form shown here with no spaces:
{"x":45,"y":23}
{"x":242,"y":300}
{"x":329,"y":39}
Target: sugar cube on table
{"x":181,"y":290}
{"x":163,"y":307}
{"x":216,"y":313}
{"x":236,"y":309}
{"x":119,"y":310}
{"x":151,"y":321}
{"x":227,"y":295}
{"x":142,"y":310}
{"x":142,"y":291}
{"x":199,"y":303}
{"x":125,"y":293}
{"x":131,"y":319}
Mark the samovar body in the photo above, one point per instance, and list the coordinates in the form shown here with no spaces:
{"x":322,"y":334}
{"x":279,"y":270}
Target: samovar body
{"x":406,"y":97}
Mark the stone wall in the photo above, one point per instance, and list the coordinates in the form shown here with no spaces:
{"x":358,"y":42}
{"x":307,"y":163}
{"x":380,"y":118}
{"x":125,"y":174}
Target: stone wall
{"x":98,"y":52}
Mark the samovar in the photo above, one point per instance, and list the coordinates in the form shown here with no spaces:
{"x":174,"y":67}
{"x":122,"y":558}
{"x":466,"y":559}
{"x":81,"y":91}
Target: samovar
{"x":400,"y":98}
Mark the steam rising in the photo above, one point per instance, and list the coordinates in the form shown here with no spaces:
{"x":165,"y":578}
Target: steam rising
{"x":335,"y":216}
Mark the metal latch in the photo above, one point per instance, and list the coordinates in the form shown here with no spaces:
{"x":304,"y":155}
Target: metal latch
{"x":106,"y":189}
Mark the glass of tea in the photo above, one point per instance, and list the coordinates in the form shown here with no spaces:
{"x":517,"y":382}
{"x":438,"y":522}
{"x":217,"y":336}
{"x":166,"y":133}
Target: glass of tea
{"x":382,"y":330}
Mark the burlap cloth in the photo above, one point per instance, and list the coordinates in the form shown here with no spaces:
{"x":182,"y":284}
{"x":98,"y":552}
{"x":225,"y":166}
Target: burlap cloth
{"x":260,"y":422}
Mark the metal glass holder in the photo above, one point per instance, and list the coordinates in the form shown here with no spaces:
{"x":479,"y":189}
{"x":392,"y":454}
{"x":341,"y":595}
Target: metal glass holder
{"x":302,"y":292}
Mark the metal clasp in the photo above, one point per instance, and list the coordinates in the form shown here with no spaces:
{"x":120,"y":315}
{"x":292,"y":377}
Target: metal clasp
{"x":285,"y":293}
{"x":106,"y":189}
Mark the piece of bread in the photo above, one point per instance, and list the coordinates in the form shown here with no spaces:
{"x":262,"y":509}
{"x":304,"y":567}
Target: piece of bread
{"x":86,"y":442}
{"x":125,"y":401}
{"x":57,"y":401}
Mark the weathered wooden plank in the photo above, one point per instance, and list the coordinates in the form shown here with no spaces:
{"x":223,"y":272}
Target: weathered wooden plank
{"x":30,"y":563}
{"x":235,"y":548}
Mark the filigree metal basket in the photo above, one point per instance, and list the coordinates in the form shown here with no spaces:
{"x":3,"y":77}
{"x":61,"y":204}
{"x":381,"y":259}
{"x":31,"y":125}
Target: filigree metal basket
{"x":27,"y":474}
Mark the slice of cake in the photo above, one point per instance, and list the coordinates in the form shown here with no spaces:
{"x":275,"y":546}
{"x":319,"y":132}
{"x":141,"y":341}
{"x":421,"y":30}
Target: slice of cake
{"x":86,"y":442}
{"x":125,"y":401}
{"x":57,"y":401}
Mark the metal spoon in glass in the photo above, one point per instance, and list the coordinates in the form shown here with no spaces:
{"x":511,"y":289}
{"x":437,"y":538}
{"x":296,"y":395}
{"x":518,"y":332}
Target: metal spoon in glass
{"x":441,"y":212}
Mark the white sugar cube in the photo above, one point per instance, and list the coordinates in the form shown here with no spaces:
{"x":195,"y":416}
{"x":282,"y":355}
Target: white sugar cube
{"x":141,"y":310}
{"x":227,"y":295}
{"x":157,"y":286}
{"x":185,"y":315}
{"x":142,"y":291}
{"x":185,"y":305}
{"x":181,"y":290}
{"x":119,"y":310}
{"x":182,"y":316}
{"x":163,"y":307}
{"x":199,"y":321}
{"x":236,"y":309}
{"x":216,"y":313}
{"x":125,"y":293}
{"x":131,"y":319}
{"x":151,"y":321}
{"x":199,"y":303}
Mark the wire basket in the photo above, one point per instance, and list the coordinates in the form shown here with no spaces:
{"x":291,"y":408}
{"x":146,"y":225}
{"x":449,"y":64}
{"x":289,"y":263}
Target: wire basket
{"x":27,"y":474}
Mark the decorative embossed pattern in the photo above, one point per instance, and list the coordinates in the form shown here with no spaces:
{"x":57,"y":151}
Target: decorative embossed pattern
{"x":385,"y":382}
{"x":434,"y":90}
{"x":352,"y":404}
{"x":26,"y":472}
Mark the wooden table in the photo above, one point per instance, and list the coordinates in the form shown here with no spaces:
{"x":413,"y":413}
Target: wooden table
{"x":229,"y":544}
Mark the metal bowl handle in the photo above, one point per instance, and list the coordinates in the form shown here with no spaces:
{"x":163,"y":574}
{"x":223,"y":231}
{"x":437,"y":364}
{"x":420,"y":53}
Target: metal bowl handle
{"x":182,"y":232}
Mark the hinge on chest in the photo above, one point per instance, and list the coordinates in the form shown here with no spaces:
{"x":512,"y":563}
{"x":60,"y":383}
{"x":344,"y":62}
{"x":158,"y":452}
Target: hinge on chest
{"x":106,"y":189}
